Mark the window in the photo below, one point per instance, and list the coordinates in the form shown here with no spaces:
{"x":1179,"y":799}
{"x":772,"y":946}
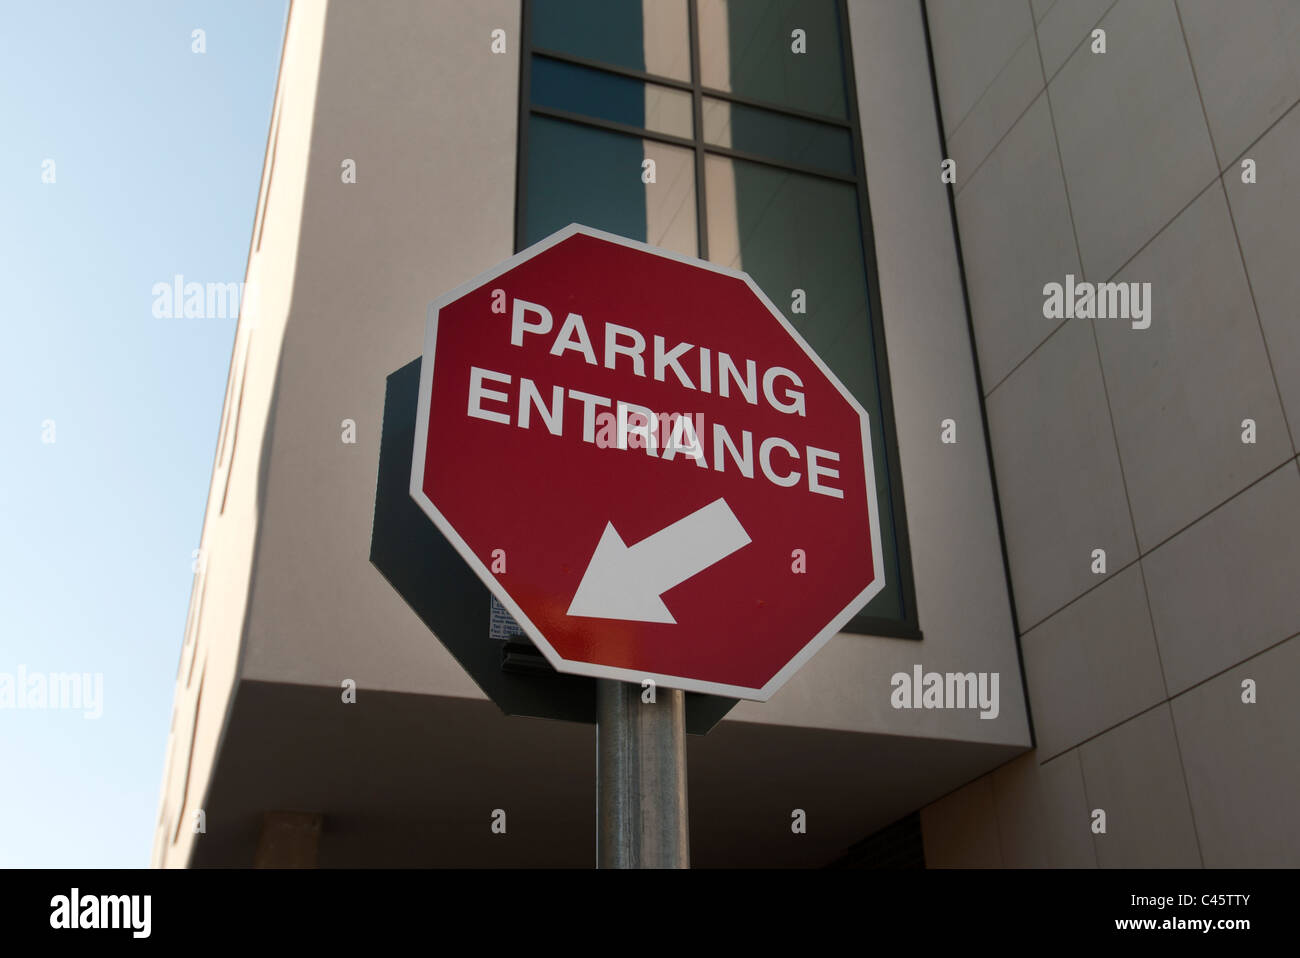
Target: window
{"x":758,"y":166}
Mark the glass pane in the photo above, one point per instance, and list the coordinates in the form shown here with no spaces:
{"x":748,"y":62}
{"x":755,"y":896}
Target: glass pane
{"x":648,"y":35}
{"x":608,"y":96}
{"x":746,"y":49}
{"x":780,"y":137}
{"x":581,"y":174}
{"x":792,"y":231}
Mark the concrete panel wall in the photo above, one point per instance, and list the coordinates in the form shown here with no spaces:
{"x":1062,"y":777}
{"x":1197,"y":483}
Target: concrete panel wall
{"x":1127,"y":166}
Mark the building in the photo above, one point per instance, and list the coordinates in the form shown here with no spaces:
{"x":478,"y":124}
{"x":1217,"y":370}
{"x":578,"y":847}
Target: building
{"x":1078,"y":505}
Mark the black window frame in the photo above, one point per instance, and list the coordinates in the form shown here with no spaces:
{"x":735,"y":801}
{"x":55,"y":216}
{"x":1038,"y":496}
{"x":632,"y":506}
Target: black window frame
{"x":907,"y":627}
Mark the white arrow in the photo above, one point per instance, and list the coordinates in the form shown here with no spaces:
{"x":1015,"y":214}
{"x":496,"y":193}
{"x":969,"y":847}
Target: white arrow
{"x":625,"y":582}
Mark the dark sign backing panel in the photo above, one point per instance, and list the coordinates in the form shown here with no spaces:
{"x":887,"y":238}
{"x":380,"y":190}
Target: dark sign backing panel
{"x":449,"y":598}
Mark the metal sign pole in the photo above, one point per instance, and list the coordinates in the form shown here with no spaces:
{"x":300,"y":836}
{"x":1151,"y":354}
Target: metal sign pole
{"x":640,"y":778}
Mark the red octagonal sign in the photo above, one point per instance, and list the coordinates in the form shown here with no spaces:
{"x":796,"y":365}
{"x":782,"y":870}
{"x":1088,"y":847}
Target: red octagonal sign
{"x":646,"y":463}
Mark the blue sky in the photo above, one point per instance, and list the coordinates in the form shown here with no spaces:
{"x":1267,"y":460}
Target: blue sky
{"x":157,"y":159}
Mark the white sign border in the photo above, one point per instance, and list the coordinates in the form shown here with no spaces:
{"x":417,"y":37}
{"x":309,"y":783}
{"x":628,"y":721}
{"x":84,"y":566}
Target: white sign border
{"x":481,"y":570}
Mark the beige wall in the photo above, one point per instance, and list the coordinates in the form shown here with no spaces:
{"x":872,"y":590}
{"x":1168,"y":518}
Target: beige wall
{"x":210,"y":655}
{"x":961,"y":590}
{"x":1126,"y":166}
{"x":411,"y":92}
{"x":433,"y":206}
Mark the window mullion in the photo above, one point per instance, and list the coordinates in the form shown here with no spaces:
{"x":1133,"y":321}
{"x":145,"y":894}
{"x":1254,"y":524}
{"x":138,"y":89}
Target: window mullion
{"x":613,"y":68}
{"x":697,"y":109}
